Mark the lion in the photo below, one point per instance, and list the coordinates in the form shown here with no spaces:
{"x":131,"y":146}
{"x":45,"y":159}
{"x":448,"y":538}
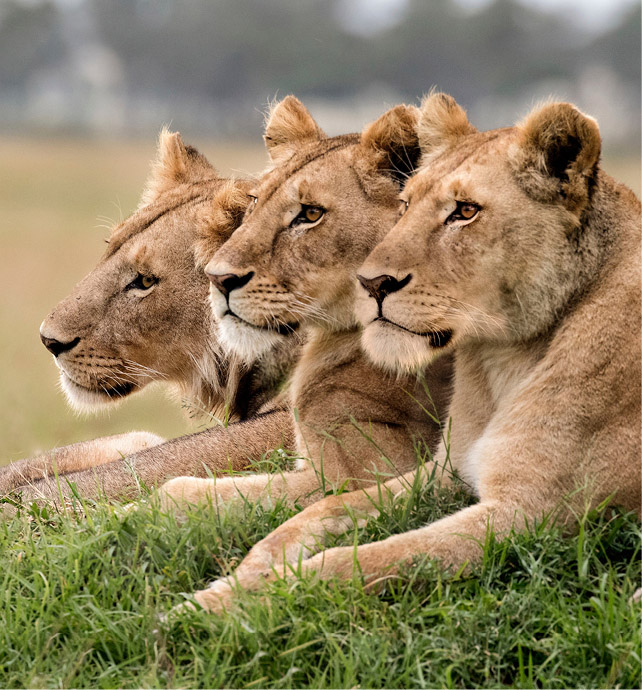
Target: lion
{"x":142,"y":315}
{"x":312,"y":219}
{"x":516,"y":252}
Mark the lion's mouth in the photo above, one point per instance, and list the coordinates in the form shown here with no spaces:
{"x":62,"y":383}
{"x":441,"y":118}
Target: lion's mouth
{"x":280,"y":328}
{"x":437,"y":339}
{"x":120,"y":390}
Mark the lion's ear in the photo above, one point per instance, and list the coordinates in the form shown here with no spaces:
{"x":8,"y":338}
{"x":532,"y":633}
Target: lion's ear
{"x":442,"y":121}
{"x":557,"y":152}
{"x":289,"y":124}
{"x":225,"y":214}
{"x":393,"y":138}
{"x":175,"y":164}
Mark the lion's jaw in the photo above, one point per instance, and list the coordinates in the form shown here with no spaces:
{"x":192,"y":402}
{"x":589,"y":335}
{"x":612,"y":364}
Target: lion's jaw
{"x":90,"y":400}
{"x":241,"y":329}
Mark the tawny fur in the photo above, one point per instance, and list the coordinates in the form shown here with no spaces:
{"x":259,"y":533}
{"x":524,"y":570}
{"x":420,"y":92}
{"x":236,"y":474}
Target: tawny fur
{"x":353,"y":422}
{"x":287,"y":125}
{"x":133,"y":337}
{"x":441,"y":123}
{"x":542,"y":294}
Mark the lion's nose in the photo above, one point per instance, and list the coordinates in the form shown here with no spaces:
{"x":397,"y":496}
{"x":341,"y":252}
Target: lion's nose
{"x":227,"y":282}
{"x":380,"y":287}
{"x":56,"y":347}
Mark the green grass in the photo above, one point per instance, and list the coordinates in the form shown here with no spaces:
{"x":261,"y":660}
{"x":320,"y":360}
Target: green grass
{"x":81,"y":596}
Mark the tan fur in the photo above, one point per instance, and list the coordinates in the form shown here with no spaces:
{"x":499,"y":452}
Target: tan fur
{"x":175,"y":164}
{"x":287,"y":126}
{"x":129,"y":338}
{"x":442,"y":121}
{"x":352,"y":421}
{"x":541,"y":294}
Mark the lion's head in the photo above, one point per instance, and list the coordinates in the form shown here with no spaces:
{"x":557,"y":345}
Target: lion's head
{"x":312,"y":219}
{"x":142,"y":314}
{"x":492,"y":243}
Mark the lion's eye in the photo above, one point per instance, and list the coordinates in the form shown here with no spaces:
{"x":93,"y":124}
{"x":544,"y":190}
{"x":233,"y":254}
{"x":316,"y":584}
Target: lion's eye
{"x":403,"y":207}
{"x":465,"y":210}
{"x":313,"y":213}
{"x":142,"y":282}
{"x":308,"y":214}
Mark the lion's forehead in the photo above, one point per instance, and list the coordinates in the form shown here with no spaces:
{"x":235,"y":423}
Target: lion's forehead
{"x":322,"y":151}
{"x":172,"y":205}
{"x":471,"y":154}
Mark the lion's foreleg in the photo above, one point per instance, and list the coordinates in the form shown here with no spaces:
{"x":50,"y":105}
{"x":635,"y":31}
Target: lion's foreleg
{"x":213,"y":450}
{"x":74,"y":458}
{"x":302,"y":487}
{"x":307,"y":532}
{"x":457,"y":541}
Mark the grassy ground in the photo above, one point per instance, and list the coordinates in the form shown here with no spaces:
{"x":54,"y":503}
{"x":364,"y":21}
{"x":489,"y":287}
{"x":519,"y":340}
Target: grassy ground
{"x":81,"y":596}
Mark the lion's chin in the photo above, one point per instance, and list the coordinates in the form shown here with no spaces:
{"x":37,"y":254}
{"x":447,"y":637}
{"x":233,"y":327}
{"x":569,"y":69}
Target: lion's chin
{"x":88,"y":400}
{"x":397,"y":350}
{"x":246,"y":341}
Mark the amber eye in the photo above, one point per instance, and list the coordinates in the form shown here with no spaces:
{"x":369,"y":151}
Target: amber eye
{"x":308,"y":214}
{"x":465,"y":210}
{"x":313,"y":213}
{"x":403,"y":207}
{"x":142,"y":282}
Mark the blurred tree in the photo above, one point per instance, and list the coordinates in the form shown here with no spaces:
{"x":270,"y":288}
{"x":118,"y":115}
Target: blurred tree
{"x":218,"y":60}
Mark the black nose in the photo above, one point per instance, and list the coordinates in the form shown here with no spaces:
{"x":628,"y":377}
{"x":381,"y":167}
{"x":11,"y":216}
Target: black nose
{"x":378,"y":288}
{"x":229,"y":281}
{"x":56,"y":347}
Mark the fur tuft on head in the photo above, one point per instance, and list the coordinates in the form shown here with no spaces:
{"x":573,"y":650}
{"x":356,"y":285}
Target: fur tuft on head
{"x":287,"y":124}
{"x":441,"y":123}
{"x":393,"y":137}
{"x":557,"y":153}
{"x":175,"y":164}
{"x":224,"y":216}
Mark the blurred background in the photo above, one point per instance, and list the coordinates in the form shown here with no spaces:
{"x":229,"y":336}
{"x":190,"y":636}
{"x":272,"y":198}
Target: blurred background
{"x":85,"y":86}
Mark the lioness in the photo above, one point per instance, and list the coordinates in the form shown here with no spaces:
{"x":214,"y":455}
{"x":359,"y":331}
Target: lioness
{"x":518,"y":253}
{"x":312,"y":220}
{"x":142,"y":315}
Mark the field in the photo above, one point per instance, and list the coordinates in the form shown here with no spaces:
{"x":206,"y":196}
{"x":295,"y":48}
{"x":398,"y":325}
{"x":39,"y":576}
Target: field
{"x":81,"y":594}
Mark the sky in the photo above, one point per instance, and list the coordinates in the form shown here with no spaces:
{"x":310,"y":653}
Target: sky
{"x":594,"y":15}
{"x":369,"y":16}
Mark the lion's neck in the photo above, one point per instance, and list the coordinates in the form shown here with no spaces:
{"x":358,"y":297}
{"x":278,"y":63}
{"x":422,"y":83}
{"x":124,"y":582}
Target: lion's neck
{"x":496,"y":371}
{"x":613,"y":220}
{"x":324,"y":351}
{"x":208,"y":381}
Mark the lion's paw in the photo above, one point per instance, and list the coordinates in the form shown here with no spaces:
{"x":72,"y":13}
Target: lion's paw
{"x":183,"y":492}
